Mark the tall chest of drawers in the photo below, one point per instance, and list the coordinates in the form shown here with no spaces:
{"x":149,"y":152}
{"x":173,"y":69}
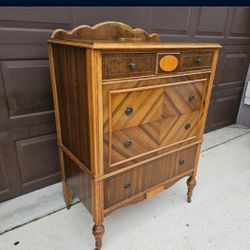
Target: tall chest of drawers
{"x":130,"y":114}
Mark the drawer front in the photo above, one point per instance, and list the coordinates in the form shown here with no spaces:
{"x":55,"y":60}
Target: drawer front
{"x":186,"y":159}
{"x":184,"y":61}
{"x":136,"y":141}
{"x":118,"y":65}
{"x":144,"y":121}
{"x":120,"y":187}
{"x":148,"y":175}
{"x":130,"y":109}
{"x":158,"y":171}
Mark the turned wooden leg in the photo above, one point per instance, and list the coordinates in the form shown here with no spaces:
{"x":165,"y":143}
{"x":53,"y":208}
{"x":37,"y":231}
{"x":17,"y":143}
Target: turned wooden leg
{"x":98,"y":231}
{"x":68,"y":196}
{"x":191,"y":182}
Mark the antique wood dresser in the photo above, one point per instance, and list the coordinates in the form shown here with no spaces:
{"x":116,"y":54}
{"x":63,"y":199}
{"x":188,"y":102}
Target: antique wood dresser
{"x":130,"y":113}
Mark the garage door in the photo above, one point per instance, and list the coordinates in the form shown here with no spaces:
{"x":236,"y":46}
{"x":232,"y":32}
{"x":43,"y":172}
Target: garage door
{"x":28,"y":154}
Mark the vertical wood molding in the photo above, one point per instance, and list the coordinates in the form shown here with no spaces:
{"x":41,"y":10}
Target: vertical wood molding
{"x":209,"y":92}
{"x":57,"y":114}
{"x":94,"y":80}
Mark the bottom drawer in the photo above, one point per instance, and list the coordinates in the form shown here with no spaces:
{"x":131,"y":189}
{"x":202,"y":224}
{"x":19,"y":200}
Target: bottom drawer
{"x":125,"y":185}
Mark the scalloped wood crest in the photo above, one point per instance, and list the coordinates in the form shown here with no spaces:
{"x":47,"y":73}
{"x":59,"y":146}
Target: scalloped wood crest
{"x":106,"y":31}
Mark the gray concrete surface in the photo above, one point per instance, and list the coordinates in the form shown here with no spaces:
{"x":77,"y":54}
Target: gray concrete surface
{"x":218,"y":217}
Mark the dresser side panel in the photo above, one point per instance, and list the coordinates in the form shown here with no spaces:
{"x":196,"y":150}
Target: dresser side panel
{"x":79,"y":182}
{"x":71,"y":83}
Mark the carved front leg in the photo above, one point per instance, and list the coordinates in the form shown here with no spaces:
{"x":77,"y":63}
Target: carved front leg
{"x":98,"y":232}
{"x":68,"y":196}
{"x":191,"y":182}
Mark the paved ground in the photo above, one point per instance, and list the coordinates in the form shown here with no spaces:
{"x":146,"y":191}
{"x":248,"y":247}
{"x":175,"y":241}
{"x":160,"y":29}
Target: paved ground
{"x":217,"y":219}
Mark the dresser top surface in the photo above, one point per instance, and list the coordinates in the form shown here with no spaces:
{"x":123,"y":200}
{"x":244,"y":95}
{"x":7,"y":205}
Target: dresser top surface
{"x":109,"y":44}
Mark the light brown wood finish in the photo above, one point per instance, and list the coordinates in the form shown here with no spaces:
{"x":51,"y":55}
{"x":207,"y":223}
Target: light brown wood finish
{"x":108,"y":31}
{"x":126,"y":129}
{"x":66,"y":191}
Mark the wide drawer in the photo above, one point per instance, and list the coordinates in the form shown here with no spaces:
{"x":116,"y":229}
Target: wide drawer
{"x":118,"y":65}
{"x":184,"y":61}
{"x":125,"y":185}
{"x":137,"y":141}
{"x":144,"y":120}
{"x":131,"y":108}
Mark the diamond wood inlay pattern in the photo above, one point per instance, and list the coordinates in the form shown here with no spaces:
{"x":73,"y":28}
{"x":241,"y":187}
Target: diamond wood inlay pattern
{"x":160,"y":116}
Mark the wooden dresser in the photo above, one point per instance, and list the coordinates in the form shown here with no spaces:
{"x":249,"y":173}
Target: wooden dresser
{"x":130,"y":113}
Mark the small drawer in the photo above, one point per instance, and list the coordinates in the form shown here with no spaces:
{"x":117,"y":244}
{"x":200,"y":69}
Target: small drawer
{"x":186,"y":159}
{"x":119,"y":65}
{"x":120,"y":187}
{"x":184,"y":61}
{"x":199,"y":60}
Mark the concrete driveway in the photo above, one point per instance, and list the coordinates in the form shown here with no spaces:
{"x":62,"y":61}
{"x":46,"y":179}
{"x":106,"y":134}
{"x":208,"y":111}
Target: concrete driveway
{"x":217,"y":219}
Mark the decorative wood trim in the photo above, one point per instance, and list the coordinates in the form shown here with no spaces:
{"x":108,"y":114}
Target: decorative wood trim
{"x":154,"y":192}
{"x":165,"y":85}
{"x":94,"y":79}
{"x":75,"y":160}
{"x":209,"y":91}
{"x":123,"y":203}
{"x":152,"y":151}
{"x":155,"y":77}
{"x":140,"y":46}
{"x":57,"y":115}
{"x":115,"y":31}
{"x":105,"y":176}
{"x":98,"y":202}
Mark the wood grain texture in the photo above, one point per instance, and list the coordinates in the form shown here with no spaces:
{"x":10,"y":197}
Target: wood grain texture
{"x":95,"y":111}
{"x":117,"y":65}
{"x":168,"y":63}
{"x":79,"y":182}
{"x":125,"y":185}
{"x":66,"y":191}
{"x":187,"y":60}
{"x":154,"y":192}
{"x":106,"y":31}
{"x":160,"y":116}
{"x":127,"y":130}
{"x":116,"y":45}
{"x":71,"y":84}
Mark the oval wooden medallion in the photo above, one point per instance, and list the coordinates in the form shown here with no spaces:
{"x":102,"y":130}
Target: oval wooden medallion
{"x":168,"y":63}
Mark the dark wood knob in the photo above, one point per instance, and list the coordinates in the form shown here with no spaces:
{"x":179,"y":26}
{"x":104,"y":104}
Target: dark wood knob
{"x":127,"y":143}
{"x":187,"y":125}
{"x":127,"y":185}
{"x":198,"y":60}
{"x":132,"y":66}
{"x":181,"y":162}
{"x":191,"y":98}
{"x":129,"y":111}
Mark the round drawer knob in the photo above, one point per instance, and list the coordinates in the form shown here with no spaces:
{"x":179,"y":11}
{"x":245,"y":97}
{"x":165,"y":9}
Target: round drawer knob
{"x":127,"y":143}
{"x":127,"y":185}
{"x":187,"y":125}
{"x":132,"y":66}
{"x":198,"y":60}
{"x":168,"y":63}
{"x":181,"y":162}
{"x":129,"y":111}
{"x":191,"y":98}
